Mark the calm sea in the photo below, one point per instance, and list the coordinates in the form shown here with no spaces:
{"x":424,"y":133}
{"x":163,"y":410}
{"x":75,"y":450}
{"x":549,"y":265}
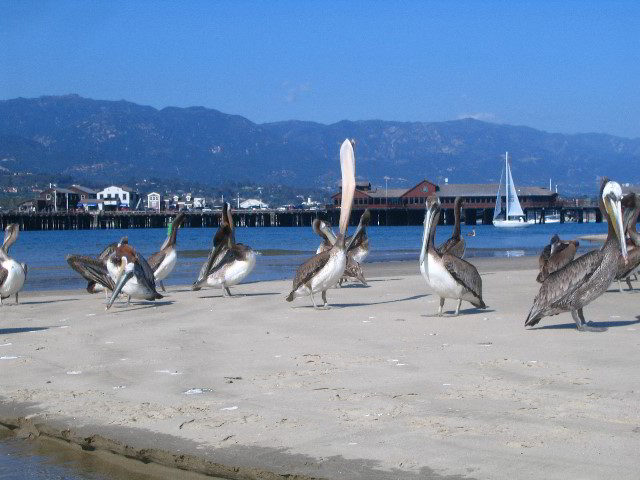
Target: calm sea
{"x":281,"y":250}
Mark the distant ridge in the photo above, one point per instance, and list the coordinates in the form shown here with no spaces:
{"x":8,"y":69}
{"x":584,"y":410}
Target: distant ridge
{"x":120,"y":140}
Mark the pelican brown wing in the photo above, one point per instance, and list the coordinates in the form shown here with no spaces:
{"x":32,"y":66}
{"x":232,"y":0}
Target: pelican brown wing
{"x":91,"y":269}
{"x":562,"y":287}
{"x":156,"y":259}
{"x":465,"y":274}
{"x":308,"y":269}
{"x":4,"y":273}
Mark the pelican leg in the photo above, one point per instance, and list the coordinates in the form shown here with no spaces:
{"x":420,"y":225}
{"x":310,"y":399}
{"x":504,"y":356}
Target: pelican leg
{"x":313,"y":300}
{"x":441,"y":305}
{"x":324,"y":299}
{"x":628,"y":279}
{"x":0,"y":300}
{"x":581,"y":323}
{"x":458,"y":307}
{"x":619,"y":286}
{"x":162,"y":286}
{"x":17,"y":298}
{"x":128,"y":300}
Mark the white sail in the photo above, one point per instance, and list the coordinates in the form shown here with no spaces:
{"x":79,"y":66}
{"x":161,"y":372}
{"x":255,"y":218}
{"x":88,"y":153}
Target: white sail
{"x":498,"y":210}
{"x":513,"y":205}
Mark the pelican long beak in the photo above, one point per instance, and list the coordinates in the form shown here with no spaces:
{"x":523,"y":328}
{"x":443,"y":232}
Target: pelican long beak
{"x":615,"y":213}
{"x":124,"y":278}
{"x":324,"y":228}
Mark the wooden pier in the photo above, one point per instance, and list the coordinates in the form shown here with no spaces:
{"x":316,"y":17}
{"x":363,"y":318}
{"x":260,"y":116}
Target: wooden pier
{"x":270,"y":218}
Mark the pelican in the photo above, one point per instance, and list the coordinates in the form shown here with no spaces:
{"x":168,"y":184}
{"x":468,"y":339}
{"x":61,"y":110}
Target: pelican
{"x":454,"y":245}
{"x":229,"y":262}
{"x":92,"y":285}
{"x":584,"y":279}
{"x":358,"y":251}
{"x":325,"y":269}
{"x":359,"y":242}
{"x":12,"y":274}
{"x":631,"y":205}
{"x":555,"y":256}
{"x":124,"y":270}
{"x":446,"y":274}
{"x":163,"y":261}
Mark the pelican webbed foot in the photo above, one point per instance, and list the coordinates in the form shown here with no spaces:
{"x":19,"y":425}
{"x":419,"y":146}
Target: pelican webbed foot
{"x":581,"y":323}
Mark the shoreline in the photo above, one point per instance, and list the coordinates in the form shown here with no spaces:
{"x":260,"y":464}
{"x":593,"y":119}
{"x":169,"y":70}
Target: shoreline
{"x":375,"y":387}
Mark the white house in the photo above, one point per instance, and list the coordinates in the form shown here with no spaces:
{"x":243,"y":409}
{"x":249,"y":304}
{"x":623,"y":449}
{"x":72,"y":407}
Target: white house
{"x":253,"y":203}
{"x":115,"y":197}
{"x":199,"y":202}
{"x":155,"y":201}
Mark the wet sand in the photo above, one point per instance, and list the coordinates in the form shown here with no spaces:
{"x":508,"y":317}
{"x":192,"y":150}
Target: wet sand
{"x":375,"y":387}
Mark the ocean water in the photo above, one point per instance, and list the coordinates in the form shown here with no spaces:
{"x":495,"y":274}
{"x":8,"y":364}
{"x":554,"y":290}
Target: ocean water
{"x":281,"y":249}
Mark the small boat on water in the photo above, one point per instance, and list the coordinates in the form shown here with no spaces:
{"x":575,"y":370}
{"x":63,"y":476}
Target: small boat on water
{"x":513,"y":214}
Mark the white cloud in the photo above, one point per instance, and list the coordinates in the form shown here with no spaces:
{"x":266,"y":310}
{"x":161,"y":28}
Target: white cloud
{"x":295,"y":92}
{"x":484,"y":116}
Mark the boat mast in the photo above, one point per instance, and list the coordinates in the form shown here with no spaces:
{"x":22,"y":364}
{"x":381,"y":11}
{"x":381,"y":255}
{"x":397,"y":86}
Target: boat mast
{"x":506,"y":184}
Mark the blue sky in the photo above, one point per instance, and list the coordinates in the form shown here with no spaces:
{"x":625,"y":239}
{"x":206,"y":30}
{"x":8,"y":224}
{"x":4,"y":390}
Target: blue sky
{"x":559,"y":66}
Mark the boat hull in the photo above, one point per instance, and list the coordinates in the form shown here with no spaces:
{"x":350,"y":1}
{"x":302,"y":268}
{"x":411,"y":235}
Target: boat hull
{"x":511,"y":224}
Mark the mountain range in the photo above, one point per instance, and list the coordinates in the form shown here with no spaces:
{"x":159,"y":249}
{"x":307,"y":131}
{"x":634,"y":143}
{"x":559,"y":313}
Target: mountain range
{"x":116,"y":141}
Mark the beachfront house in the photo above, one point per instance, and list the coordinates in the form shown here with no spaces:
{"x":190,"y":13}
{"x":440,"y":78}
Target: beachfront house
{"x":155,"y":201}
{"x":119,"y":198}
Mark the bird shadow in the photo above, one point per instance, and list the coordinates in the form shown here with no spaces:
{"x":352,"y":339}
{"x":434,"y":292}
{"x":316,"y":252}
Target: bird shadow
{"x":463,"y":312}
{"x":132,"y":308}
{"x":384,"y":280}
{"x":572,"y":326}
{"x":241,"y":295}
{"x":345,"y":305}
{"x":11,"y":331}
{"x":44,"y":302}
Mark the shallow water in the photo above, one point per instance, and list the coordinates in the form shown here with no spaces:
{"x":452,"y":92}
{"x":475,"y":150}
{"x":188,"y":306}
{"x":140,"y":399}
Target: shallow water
{"x":22,"y":459}
{"x":281,"y":250}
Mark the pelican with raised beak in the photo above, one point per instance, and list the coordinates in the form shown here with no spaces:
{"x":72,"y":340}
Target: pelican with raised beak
{"x":587,"y":277}
{"x":163,"y":262}
{"x":228,"y":262}
{"x":324,"y":270}
{"x":446,"y":274}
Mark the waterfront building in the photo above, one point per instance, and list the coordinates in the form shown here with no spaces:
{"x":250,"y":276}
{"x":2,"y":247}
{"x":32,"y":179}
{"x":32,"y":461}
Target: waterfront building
{"x":155,"y":201}
{"x":116,"y":198}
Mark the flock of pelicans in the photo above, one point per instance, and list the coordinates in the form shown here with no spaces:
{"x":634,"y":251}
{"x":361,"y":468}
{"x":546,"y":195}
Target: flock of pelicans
{"x":568,"y":283}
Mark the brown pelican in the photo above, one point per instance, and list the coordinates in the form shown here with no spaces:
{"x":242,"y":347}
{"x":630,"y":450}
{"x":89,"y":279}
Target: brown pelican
{"x":359,"y":242}
{"x":12,"y":274}
{"x":631,"y":205}
{"x":92,"y":285}
{"x":358,"y":251}
{"x":229,"y":262}
{"x":455,"y":245}
{"x":163,"y":262}
{"x":584,"y":279}
{"x":446,"y":274}
{"x":325,"y":269}
{"x":555,"y":256}
{"x":123,"y":270}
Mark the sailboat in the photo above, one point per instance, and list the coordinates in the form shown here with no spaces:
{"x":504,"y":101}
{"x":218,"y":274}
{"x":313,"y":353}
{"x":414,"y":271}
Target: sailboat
{"x":514,"y":216}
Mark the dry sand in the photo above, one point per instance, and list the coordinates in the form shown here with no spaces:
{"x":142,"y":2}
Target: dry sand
{"x":375,"y":387}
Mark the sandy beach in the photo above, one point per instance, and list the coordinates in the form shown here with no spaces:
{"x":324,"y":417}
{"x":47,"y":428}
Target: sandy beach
{"x":377,"y":387}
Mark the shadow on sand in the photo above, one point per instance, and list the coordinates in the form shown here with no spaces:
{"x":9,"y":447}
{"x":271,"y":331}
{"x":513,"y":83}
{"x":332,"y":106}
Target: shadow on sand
{"x":572,"y":326}
{"x":11,"y":331}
